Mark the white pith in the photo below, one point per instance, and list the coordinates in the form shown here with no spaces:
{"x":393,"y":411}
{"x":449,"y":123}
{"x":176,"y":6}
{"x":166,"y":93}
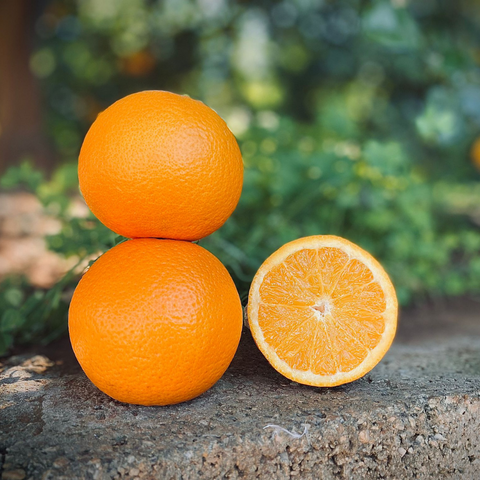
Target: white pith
{"x":322,"y":308}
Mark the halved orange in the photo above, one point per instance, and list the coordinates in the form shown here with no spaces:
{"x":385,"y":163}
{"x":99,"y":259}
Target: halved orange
{"x":322,"y":310}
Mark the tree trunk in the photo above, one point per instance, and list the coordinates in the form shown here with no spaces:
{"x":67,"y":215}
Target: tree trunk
{"x":21,"y":132}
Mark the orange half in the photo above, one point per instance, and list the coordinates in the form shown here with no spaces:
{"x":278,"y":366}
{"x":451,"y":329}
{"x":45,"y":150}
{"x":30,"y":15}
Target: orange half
{"x":322,"y":310}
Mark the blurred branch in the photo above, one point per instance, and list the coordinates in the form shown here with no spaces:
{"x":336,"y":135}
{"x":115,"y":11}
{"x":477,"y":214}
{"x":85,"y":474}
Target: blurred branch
{"x":21,"y":133}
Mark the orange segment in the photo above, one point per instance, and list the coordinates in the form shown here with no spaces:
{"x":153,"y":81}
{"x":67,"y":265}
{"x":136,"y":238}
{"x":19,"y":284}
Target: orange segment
{"x":355,"y":276}
{"x":350,"y":351}
{"x":331,"y":262}
{"x":369,"y":297}
{"x":305,"y":268}
{"x":323,"y":361}
{"x":368,"y":330}
{"x":280,"y":286}
{"x":276,"y":328}
{"x":322,"y":310}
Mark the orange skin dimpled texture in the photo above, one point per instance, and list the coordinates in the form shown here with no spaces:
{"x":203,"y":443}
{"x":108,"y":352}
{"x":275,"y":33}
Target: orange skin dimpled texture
{"x":158,"y":164}
{"x":155,"y":322}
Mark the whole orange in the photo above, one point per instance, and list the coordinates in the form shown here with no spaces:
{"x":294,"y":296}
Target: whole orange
{"x":157,"y":164}
{"x":155,"y":322}
{"x":475,"y":153}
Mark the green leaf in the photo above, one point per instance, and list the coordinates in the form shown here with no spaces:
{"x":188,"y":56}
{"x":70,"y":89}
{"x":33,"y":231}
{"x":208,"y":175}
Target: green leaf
{"x":391,"y":27}
{"x":21,"y":176}
{"x":6,"y":341}
{"x":13,"y":296}
{"x":11,"y":320}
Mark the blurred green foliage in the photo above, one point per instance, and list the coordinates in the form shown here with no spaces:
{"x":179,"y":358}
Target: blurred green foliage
{"x":33,"y":314}
{"x":354,"y":118}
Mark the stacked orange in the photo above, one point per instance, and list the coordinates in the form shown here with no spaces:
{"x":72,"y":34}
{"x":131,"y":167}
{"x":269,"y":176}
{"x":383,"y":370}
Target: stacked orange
{"x":157,"y":319}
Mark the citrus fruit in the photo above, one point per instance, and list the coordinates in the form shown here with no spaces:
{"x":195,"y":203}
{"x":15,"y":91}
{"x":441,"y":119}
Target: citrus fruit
{"x":475,"y":153}
{"x":155,"y":322}
{"x":322,"y":311}
{"x":157,"y":164}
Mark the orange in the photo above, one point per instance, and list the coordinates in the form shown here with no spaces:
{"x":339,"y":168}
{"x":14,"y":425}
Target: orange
{"x":157,"y":164}
{"x":322,"y":311}
{"x":475,"y":153}
{"x":155,"y":322}
{"x":138,"y":64}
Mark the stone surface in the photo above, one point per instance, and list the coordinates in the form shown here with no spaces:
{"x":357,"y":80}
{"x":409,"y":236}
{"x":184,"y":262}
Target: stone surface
{"x":416,"y":415}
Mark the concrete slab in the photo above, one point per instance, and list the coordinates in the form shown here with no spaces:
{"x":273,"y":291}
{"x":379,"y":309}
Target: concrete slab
{"x":416,"y":415}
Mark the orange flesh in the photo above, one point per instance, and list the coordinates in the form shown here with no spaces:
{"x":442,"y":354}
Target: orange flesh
{"x":321,"y":311}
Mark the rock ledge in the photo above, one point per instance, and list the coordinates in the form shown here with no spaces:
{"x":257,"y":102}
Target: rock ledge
{"x":414,"y":416}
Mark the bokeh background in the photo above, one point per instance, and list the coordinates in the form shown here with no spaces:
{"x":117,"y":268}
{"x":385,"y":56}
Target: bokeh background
{"x":355,"y":118}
